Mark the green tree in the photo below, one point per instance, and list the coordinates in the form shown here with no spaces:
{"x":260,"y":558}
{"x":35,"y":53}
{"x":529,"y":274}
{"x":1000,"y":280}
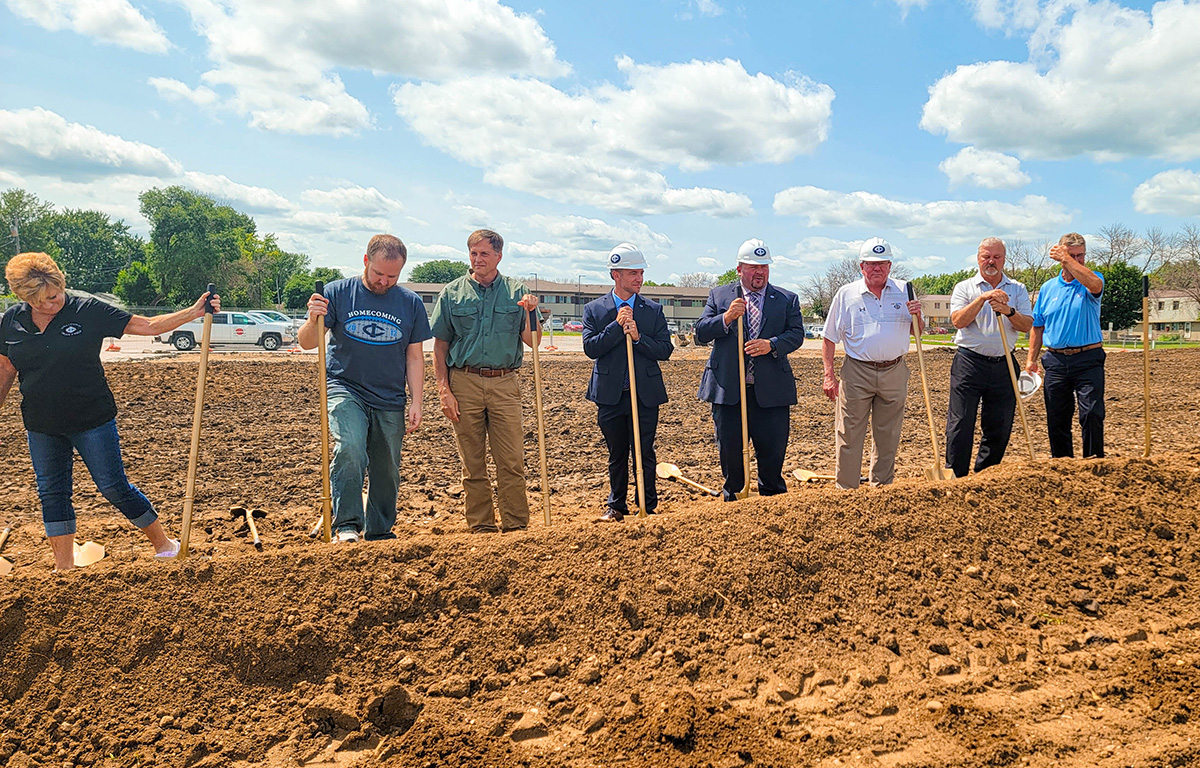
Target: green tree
{"x":302,"y":284}
{"x":135,"y":285}
{"x":1122,"y":303}
{"x":30,"y":217}
{"x":731,"y":276}
{"x":194,"y":241}
{"x":940,"y":285}
{"x":439,"y":271}
{"x":92,"y":248}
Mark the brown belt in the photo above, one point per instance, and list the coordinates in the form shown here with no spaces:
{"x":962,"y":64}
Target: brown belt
{"x":881,"y":366}
{"x":1075,"y":350}
{"x":489,"y":373}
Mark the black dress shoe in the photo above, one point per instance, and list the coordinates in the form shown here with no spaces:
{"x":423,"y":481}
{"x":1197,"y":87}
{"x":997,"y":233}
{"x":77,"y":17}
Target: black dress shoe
{"x":612,"y":516}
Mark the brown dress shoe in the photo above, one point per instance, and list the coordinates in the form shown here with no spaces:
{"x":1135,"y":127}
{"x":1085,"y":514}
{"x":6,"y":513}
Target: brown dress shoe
{"x":612,"y":516}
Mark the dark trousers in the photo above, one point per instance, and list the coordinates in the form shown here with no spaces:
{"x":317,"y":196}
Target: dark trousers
{"x":616,"y":424}
{"x":769,"y":429}
{"x":1071,"y":377}
{"x":976,"y":379}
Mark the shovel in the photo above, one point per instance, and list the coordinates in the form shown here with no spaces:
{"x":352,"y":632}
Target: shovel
{"x":1146,"y":359}
{"x":541,"y":416}
{"x":741,"y":321}
{"x":671,"y":472}
{"x":88,"y":553}
{"x":637,"y":430}
{"x":808,"y":476}
{"x":1012,"y":372}
{"x":326,"y":489}
{"x":249,"y":514}
{"x":190,"y":497}
{"x":6,"y":565}
{"x":937,"y":471}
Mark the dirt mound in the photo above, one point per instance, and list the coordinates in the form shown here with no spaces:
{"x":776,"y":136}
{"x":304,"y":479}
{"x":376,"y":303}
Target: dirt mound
{"x":1034,"y":614}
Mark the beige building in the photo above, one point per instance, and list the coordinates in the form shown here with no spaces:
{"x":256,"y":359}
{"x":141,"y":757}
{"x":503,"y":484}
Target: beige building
{"x":1172,"y":311}
{"x":682,"y":306}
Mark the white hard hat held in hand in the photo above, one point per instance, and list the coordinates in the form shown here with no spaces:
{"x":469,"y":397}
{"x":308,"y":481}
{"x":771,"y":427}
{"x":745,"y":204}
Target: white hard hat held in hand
{"x":626,"y":256}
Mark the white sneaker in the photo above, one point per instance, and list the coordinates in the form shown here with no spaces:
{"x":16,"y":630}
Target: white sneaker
{"x":171,"y":551}
{"x":346,"y":536}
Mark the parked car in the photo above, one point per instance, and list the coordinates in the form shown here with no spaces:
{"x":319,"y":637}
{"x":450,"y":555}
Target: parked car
{"x":232,"y":328}
{"x":275,"y":316}
{"x":673,"y":326}
{"x":573,"y":325}
{"x":814,"y":331}
{"x":555,"y":324}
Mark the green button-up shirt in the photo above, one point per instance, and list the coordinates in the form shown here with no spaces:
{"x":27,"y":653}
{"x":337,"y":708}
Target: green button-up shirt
{"x":482,"y":325}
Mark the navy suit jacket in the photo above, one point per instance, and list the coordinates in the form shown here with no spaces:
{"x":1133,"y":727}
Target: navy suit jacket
{"x":604,"y":342}
{"x":774,"y":384}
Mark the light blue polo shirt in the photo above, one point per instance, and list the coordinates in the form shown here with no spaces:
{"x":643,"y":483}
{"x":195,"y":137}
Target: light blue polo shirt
{"x":1068,"y":313}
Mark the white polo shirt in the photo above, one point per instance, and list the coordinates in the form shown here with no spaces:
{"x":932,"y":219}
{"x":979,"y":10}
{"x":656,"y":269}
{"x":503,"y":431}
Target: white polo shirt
{"x":871,"y":329}
{"x":983,"y":334}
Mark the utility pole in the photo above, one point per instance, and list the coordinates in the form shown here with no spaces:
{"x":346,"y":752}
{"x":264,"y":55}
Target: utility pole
{"x":15,"y":233}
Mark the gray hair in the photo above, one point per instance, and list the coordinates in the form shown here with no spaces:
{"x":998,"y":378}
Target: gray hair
{"x":990,"y":241}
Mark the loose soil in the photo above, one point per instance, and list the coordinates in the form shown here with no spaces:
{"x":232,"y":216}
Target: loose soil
{"x":1035,"y":614}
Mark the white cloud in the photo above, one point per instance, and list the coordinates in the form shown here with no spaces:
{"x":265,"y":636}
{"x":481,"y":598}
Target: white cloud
{"x":908,"y":5}
{"x":941,"y":221}
{"x":607,"y":146}
{"x":1008,"y":14}
{"x":1175,"y":192}
{"x":707,"y":7}
{"x":348,"y":228}
{"x":708,"y":262}
{"x":431,"y":252}
{"x":174,"y":89}
{"x":597,"y":234}
{"x":352,"y":200}
{"x":109,"y":21}
{"x":813,"y":251}
{"x":42,"y":141}
{"x":279,"y":57}
{"x":984,"y":168}
{"x":1117,"y":82}
{"x":228,"y":192}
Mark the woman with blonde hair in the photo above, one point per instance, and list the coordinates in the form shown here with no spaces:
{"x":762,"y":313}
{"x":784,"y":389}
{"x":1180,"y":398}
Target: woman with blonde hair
{"x":52,"y":342}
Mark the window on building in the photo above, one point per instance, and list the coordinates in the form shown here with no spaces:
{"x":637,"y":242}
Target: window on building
{"x":1160,"y":305}
{"x":937,"y":305}
{"x":1175,"y":305}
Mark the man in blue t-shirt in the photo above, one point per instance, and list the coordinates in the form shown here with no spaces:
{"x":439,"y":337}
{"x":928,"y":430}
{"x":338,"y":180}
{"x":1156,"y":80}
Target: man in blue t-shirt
{"x":376,"y":329}
{"x":1066,"y":319}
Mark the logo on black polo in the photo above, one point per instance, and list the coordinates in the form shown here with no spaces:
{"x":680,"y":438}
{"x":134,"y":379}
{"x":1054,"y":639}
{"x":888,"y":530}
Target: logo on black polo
{"x":896,"y":305}
{"x":72,"y":329}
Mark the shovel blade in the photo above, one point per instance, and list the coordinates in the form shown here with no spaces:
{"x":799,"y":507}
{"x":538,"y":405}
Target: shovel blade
{"x":6,"y":566}
{"x":938,"y":473}
{"x":667,"y":471}
{"x":88,"y":554}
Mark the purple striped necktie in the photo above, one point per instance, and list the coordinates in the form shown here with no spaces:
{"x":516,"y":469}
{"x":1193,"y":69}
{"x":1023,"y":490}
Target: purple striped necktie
{"x":754,"y":313}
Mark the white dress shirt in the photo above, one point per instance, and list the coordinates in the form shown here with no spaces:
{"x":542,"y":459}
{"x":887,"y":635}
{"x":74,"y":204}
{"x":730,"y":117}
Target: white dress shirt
{"x":871,"y":329}
{"x":983,"y":334}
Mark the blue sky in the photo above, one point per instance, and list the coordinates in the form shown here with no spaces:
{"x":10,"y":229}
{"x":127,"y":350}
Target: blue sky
{"x":683,"y":126}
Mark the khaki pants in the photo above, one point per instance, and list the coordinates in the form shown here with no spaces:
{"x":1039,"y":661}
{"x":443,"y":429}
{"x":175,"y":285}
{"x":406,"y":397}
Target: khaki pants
{"x":867,"y":391}
{"x":490,"y":416}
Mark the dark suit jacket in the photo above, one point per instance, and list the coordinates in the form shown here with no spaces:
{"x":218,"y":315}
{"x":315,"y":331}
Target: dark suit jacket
{"x":604,"y":342}
{"x":774,"y":383}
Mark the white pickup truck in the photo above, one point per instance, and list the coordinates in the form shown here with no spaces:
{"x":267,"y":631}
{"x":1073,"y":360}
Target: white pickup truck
{"x":232,"y":328}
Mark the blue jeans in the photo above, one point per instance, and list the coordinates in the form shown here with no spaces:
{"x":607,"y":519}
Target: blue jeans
{"x":366,"y":441}
{"x":100,"y":449}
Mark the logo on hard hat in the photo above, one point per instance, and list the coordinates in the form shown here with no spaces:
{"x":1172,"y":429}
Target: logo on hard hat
{"x":879,"y":249}
{"x":760,"y":251}
{"x":615,"y":258}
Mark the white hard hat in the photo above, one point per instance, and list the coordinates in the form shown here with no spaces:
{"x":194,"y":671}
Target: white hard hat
{"x":754,"y":251}
{"x":875,"y":249}
{"x":1028,"y":383}
{"x":626,"y":256}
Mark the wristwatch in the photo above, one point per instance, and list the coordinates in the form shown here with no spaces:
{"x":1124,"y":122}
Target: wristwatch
{"x":1011,"y":311}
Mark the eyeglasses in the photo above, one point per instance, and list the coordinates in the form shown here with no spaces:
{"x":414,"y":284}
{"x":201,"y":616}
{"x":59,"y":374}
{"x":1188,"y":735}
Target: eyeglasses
{"x":876,"y":264}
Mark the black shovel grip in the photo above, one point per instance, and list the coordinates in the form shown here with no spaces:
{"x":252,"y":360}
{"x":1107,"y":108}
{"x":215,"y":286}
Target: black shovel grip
{"x":319,"y":288}
{"x":208,"y":307}
{"x":911,"y":295}
{"x":1145,"y":286}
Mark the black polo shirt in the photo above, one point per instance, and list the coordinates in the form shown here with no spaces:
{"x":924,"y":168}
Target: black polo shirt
{"x":63,"y":389}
